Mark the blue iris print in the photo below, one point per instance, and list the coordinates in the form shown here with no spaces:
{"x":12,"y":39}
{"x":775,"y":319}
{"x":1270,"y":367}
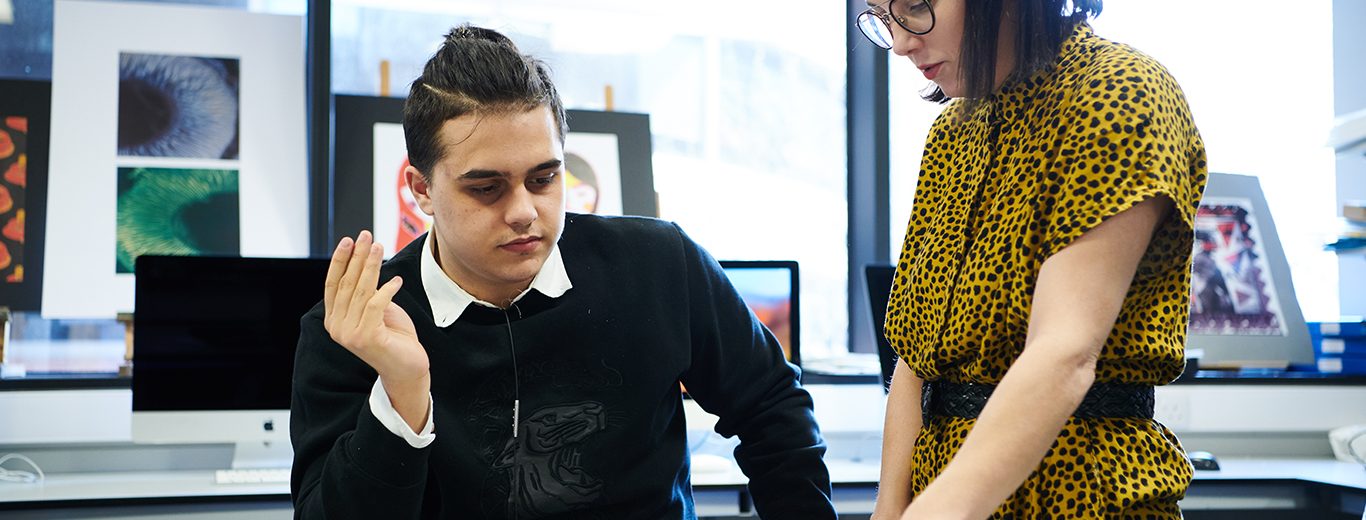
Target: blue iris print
{"x":178,"y":106}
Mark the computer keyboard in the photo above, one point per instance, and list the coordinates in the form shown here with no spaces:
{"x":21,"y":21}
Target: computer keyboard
{"x":252,"y":476}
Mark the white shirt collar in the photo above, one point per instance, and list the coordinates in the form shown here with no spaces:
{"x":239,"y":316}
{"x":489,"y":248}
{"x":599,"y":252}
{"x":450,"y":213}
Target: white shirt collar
{"x":449,"y":300}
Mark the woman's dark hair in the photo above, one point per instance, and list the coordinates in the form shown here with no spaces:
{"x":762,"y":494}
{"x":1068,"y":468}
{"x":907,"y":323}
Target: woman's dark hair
{"x":476,"y":70}
{"x":1040,"y":28}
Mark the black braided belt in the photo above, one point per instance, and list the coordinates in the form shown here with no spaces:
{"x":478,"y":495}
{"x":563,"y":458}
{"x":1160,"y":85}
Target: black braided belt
{"x":966,"y":400}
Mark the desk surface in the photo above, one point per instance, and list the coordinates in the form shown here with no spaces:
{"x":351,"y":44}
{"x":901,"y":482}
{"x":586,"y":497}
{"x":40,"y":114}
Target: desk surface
{"x":71,"y":489}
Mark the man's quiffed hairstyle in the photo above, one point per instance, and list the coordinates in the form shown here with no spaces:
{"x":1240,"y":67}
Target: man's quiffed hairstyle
{"x":477,"y":71}
{"x":1040,"y":28}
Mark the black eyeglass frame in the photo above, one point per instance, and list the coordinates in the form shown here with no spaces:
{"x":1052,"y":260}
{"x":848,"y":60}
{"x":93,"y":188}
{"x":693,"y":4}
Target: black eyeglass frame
{"x":883,"y":13}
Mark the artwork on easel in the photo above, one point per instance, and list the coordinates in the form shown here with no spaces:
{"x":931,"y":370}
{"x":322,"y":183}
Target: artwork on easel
{"x":1232,"y":292}
{"x":607,"y":169}
{"x":608,"y":157}
{"x":1243,"y":307}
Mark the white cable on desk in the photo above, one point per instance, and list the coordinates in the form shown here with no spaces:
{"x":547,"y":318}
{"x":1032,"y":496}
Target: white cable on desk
{"x":9,"y":475}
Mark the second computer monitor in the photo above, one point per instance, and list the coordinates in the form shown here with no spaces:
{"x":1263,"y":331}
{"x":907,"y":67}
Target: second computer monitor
{"x":771,"y":290}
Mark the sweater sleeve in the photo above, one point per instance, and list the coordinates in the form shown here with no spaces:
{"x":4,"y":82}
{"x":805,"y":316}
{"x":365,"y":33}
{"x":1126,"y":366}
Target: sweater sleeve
{"x":739,"y":374}
{"x":346,"y":463}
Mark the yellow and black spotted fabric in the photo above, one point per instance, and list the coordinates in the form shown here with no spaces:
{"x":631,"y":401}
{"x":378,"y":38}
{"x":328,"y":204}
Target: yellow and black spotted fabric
{"x":1003,"y":187}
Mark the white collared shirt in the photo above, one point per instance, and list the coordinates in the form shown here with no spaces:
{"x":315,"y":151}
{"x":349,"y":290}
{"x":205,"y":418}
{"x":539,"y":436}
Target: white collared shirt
{"x":449,"y":301}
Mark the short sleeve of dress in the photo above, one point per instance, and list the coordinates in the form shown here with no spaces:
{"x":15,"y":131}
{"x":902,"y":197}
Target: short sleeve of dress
{"x":1132,"y":139}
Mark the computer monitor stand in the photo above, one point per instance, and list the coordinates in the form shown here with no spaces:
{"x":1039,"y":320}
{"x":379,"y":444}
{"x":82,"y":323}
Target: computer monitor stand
{"x":262,"y":454}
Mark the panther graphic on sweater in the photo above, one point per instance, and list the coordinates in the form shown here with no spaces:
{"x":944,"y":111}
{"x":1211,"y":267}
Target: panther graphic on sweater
{"x":548,"y":476}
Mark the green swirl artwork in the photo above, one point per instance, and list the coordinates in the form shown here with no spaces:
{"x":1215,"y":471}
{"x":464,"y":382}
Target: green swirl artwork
{"x":169,"y":211}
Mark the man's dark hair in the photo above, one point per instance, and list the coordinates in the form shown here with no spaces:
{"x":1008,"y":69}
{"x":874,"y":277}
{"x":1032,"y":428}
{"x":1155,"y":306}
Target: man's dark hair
{"x":476,"y":71}
{"x":1040,"y":28}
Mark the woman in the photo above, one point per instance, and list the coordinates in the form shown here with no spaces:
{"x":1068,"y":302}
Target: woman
{"x":1043,"y":286}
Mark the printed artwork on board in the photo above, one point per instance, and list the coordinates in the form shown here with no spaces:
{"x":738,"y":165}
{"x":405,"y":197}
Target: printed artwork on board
{"x":13,"y":191}
{"x":171,"y":133}
{"x":1232,"y":292}
{"x":24,"y":131}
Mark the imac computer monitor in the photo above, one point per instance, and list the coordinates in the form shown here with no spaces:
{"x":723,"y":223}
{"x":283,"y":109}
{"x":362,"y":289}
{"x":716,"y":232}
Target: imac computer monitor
{"x":770,"y":289}
{"x":213,"y":350}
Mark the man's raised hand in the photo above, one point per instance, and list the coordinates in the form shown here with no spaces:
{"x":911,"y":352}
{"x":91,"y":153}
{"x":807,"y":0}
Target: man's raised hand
{"x":366,"y":321}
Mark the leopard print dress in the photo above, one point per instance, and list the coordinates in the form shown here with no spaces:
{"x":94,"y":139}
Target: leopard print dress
{"x":1005,"y":185}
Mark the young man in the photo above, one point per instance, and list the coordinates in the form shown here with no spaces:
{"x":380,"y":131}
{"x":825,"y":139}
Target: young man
{"x":518,"y":362}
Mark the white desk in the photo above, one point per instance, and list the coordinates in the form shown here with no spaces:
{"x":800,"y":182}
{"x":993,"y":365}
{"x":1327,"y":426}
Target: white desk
{"x":191,"y":493}
{"x":1241,"y":484}
{"x":851,"y":417}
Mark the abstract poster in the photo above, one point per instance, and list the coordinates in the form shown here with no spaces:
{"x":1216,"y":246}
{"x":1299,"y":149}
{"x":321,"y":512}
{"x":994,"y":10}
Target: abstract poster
{"x":1232,"y":292}
{"x":164,"y":211}
{"x":13,"y":191}
{"x":24,"y":131}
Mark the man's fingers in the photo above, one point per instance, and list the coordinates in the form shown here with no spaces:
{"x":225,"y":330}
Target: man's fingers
{"x":373,"y":317}
{"x":346,"y":287}
{"x":366,"y":281}
{"x":340,"y":257}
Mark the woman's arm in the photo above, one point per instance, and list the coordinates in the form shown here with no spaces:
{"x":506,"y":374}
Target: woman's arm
{"x":899,"y":432}
{"x":1076,"y":300}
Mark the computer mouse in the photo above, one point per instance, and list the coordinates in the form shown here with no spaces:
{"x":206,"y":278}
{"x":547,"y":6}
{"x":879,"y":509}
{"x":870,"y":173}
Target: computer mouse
{"x":706,"y":463}
{"x":1203,"y":460}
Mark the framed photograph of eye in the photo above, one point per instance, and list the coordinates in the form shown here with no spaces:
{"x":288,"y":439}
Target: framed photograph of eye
{"x":608,"y":169}
{"x":24,"y":110}
{"x":172,"y":134}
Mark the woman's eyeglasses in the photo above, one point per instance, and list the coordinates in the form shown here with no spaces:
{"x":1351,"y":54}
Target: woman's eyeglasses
{"x":915,"y":16}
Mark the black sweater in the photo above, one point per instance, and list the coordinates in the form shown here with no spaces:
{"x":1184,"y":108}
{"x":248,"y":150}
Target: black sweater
{"x":602,"y":431}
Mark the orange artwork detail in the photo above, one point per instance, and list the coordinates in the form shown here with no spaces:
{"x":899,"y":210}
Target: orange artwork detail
{"x":14,"y":229}
{"x":6,"y":145}
{"x":5,"y":259}
{"x":6,"y":202}
{"x":17,"y":174}
{"x":18,"y":123}
{"x":17,"y":276}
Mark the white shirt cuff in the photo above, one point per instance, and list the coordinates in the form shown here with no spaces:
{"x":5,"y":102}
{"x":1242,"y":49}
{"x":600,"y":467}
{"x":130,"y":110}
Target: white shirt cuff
{"x":389,"y":417}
